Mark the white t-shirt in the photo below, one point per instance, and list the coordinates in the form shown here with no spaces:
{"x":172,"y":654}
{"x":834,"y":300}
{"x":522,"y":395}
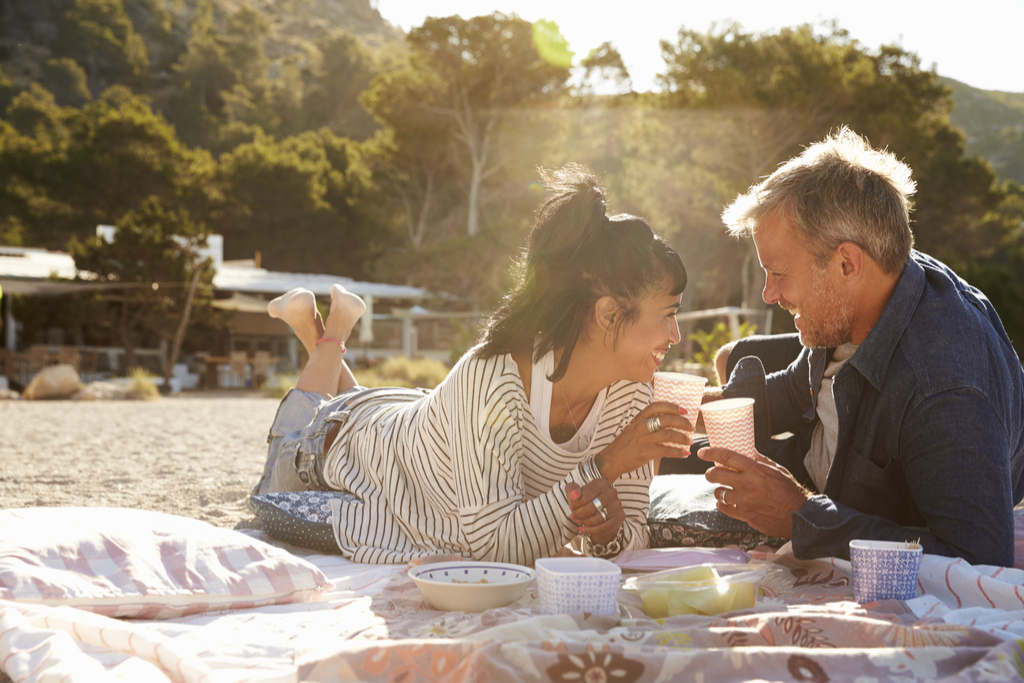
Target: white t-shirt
{"x":822,"y":452}
{"x":542,"y":392}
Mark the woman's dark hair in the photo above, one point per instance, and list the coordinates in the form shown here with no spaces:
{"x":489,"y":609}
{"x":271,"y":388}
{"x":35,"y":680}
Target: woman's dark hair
{"x":575,"y":255}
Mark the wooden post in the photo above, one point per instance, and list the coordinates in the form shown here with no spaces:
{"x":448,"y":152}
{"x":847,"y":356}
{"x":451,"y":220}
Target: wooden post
{"x":179,"y":335}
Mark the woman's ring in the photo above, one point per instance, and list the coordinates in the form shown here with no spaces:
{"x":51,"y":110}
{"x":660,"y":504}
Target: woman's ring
{"x":654,"y":424}
{"x":600,"y":508}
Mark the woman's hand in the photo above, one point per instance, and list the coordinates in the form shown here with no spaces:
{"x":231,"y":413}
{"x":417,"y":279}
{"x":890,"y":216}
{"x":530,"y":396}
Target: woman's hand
{"x":636,"y":445}
{"x":602,"y":528}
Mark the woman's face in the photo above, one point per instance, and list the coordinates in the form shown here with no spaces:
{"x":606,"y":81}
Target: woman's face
{"x":644,"y":342}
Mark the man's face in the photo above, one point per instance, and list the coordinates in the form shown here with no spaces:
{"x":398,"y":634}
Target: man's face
{"x":822,"y":314}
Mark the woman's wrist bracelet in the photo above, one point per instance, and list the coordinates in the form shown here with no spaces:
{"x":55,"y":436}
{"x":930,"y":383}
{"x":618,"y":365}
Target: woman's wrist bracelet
{"x":590,"y":470}
{"x":610,"y":549}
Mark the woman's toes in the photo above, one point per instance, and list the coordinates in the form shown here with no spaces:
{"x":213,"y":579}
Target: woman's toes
{"x":294,"y":307}
{"x":346,"y":304}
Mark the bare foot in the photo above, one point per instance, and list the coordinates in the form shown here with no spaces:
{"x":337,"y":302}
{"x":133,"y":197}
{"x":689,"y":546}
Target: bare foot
{"x":298,"y":309}
{"x":346,"y":308}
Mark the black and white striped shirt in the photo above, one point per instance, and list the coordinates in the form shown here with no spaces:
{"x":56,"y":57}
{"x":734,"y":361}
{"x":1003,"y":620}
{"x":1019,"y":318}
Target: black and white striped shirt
{"x":466,"y":470}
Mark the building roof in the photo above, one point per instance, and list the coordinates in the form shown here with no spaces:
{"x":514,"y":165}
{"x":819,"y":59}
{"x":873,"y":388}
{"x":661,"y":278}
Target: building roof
{"x":35,"y":264}
{"x":33,"y":272}
{"x":250,"y":280}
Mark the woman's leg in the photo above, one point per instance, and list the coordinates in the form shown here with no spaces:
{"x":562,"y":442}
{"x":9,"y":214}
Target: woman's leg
{"x":325,"y":372}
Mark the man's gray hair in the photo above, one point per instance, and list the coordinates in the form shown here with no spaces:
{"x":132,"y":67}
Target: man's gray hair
{"x":838,"y":190}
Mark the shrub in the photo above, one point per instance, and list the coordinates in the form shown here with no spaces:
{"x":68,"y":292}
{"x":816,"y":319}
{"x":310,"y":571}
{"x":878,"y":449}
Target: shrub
{"x":399,"y":371}
{"x":142,"y":388}
{"x":279,"y":385}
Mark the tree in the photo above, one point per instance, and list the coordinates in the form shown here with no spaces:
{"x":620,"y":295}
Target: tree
{"x":67,"y":170}
{"x":222,"y":74}
{"x":413,"y":152}
{"x":99,"y":35}
{"x":485,"y":66}
{"x":604,"y":68}
{"x":296,"y":202}
{"x":331,"y":96}
{"x":154,"y":254}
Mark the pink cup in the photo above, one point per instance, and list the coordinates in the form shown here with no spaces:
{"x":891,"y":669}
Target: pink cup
{"x":684,"y":390}
{"x":730,"y":424}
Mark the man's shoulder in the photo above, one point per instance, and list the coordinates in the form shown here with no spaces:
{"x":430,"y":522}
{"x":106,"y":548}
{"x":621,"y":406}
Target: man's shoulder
{"x":954,"y":337}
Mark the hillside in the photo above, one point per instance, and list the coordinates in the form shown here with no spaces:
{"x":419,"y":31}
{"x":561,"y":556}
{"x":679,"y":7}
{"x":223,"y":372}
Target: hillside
{"x":142,"y":41}
{"x":994,"y":124}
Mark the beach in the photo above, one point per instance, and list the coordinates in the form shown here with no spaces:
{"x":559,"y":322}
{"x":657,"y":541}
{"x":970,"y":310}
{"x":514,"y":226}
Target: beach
{"x":195,"y":455}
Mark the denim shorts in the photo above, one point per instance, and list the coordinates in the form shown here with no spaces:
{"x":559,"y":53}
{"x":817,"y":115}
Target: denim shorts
{"x":295,"y":455}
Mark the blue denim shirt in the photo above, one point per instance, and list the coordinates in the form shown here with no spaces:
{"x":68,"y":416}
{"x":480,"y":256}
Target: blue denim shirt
{"x":931,"y":425}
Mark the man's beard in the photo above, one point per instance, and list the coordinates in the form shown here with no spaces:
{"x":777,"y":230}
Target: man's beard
{"x":835,"y":326}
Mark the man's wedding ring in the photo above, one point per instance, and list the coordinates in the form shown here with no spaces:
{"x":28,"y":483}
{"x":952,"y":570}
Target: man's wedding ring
{"x":722,"y":497}
{"x":600,"y":508}
{"x":654,"y":424}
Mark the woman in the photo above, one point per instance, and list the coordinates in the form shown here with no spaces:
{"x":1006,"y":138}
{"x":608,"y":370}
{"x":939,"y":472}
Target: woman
{"x":541,"y":432}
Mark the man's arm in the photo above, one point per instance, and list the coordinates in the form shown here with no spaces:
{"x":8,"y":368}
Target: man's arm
{"x":955,"y":457}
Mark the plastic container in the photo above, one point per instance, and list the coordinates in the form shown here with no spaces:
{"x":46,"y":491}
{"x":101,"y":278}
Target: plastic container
{"x":702,"y":589}
{"x":578,"y":584}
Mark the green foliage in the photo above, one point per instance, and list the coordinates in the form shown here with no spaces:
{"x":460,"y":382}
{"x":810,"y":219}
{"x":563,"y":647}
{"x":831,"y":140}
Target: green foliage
{"x":603,"y":65}
{"x":100,"y":35}
{"x":67,"y":81}
{"x":709,"y":341}
{"x":294,"y":201}
{"x":153,"y":253}
{"x":279,"y":385}
{"x":66,"y":170}
{"x":336,"y":80}
{"x":992,"y":122}
{"x":400,"y":371}
{"x":552,"y":47}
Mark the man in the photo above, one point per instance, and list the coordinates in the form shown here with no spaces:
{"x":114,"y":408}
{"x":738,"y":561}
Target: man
{"x":907,"y":400}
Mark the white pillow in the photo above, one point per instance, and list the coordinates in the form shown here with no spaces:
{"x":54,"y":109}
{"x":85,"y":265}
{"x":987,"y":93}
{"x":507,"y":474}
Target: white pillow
{"x":149,"y":565}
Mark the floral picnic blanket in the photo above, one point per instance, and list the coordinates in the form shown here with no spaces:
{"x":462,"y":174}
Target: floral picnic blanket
{"x":966,"y":624}
{"x":964,"y":627}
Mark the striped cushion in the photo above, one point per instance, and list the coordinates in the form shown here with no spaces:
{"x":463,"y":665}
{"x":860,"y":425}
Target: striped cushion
{"x":141,"y":564}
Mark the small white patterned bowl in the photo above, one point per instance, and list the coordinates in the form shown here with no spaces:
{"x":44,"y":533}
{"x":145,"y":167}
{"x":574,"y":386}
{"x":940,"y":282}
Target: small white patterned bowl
{"x":578,"y":584}
{"x":470,"y":586}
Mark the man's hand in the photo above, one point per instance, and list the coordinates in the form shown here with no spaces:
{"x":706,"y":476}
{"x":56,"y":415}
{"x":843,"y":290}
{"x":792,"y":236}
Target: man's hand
{"x":760,"y":492}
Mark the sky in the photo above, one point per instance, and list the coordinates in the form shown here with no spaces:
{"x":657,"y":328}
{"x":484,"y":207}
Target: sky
{"x":977,"y":42}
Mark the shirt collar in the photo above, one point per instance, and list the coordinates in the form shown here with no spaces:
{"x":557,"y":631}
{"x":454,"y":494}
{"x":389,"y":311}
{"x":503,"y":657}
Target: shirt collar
{"x":876,"y":351}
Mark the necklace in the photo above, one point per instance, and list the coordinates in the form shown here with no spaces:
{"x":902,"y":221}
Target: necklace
{"x":571,"y":418}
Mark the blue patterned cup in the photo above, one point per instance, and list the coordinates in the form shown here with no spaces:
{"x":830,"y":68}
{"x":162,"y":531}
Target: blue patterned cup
{"x":578,"y":584}
{"x":884,"y":570}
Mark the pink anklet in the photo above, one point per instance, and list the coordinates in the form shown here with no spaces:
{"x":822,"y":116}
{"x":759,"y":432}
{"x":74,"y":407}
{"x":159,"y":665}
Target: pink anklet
{"x":332,"y":339}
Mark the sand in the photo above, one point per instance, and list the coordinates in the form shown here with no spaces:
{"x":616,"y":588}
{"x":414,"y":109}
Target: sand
{"x":195,"y":455}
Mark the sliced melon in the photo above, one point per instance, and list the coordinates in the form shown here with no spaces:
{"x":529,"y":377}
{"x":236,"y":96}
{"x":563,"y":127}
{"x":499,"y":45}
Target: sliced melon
{"x":694,"y":575}
{"x":655,"y":602}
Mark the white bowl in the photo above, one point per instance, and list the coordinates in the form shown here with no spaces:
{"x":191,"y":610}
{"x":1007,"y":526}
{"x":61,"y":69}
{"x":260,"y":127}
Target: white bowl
{"x":470,"y":586}
{"x":578,"y":584}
